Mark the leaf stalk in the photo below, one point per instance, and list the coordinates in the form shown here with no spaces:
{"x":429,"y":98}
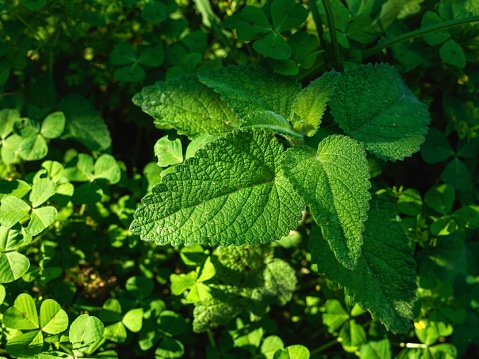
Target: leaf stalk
{"x":420,"y":32}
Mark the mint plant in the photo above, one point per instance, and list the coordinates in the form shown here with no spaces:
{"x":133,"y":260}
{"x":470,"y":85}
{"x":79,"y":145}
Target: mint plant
{"x":303,"y":222}
{"x":246,"y":188}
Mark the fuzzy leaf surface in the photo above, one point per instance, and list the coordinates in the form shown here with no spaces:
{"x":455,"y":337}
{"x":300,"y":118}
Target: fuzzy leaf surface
{"x":232,"y":192}
{"x":384,"y":280}
{"x":334,"y":182}
{"x":310,"y":104}
{"x":374,"y":106}
{"x":248,"y":89}
{"x":186,"y":105}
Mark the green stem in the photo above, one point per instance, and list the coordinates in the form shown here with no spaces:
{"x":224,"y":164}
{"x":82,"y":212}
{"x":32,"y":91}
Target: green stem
{"x":420,"y":32}
{"x":66,"y":349}
{"x":211,"y":338}
{"x":332,"y":31}
{"x":27,"y":25}
{"x":324,"y":346}
{"x":313,"y":5}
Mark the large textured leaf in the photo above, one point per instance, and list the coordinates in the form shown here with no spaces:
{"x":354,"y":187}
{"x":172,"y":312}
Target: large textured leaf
{"x":232,"y":192}
{"x":384,"y":280}
{"x":186,"y":105}
{"x":247,"y":89}
{"x":372,"y":104}
{"x":334,"y":182}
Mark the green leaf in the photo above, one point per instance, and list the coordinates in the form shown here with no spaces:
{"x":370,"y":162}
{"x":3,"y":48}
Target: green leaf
{"x":13,"y":265}
{"x":16,"y":188}
{"x":376,"y":349}
{"x":182,"y":282}
{"x":53,"y":319}
{"x":33,"y":148}
{"x":54,"y":170}
{"x":139,"y":287}
{"x":334,"y":183}
{"x":273,"y":122}
{"x":84,"y":124}
{"x":197,"y":144}
{"x":384,"y":279}
{"x":437,"y":37}
{"x":23,"y":315}
{"x":8,"y":117}
{"x":440,"y":198}
{"x":34,"y":5}
{"x":352,"y":335}
{"x":87,"y":193}
{"x":123,"y":54}
{"x":111,"y":311}
{"x":155,"y":11}
{"x":279,"y":281}
{"x":304,"y":45}
{"x":271,"y":345}
{"x":168,"y":152}
{"x":41,"y":218}
{"x":292,"y":352}
{"x":152,"y":56}
{"x":409,"y":202}
{"x":232,"y":192}
{"x":53,"y":125}
{"x":251,"y":23}
{"x":3,"y":293}
{"x":131,"y":73}
{"x":133,"y":319}
{"x":171,"y":323}
{"x":287,"y":14}
{"x":188,"y":106}
{"x":42,"y":190}
{"x":207,"y":271}
{"x":84,"y":331}
{"x":467,"y":216}
{"x":361,"y":29}
{"x":274,"y":46}
{"x":258,"y":90}
{"x":116,"y":332}
{"x":25,"y":345}
{"x":193,"y":255}
{"x":436,"y":148}
{"x":334,"y":315}
{"x":169,"y":348}
{"x":12,"y":210}
{"x":107,"y":168}
{"x":372,"y":104}
{"x":452,"y":53}
{"x":457,"y":174}
{"x":11,"y":148}
{"x":287,"y":67}
{"x":79,"y":168}
{"x":310,"y":104}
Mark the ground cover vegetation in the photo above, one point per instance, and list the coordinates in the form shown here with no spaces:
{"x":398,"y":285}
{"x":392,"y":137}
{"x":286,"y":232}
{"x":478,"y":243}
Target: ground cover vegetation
{"x":239,"y":179}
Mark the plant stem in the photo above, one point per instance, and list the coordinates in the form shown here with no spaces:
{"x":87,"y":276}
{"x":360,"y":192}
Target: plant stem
{"x":332,"y":32}
{"x":313,"y":5}
{"x":324,"y":346}
{"x":211,"y":338}
{"x":420,"y":32}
